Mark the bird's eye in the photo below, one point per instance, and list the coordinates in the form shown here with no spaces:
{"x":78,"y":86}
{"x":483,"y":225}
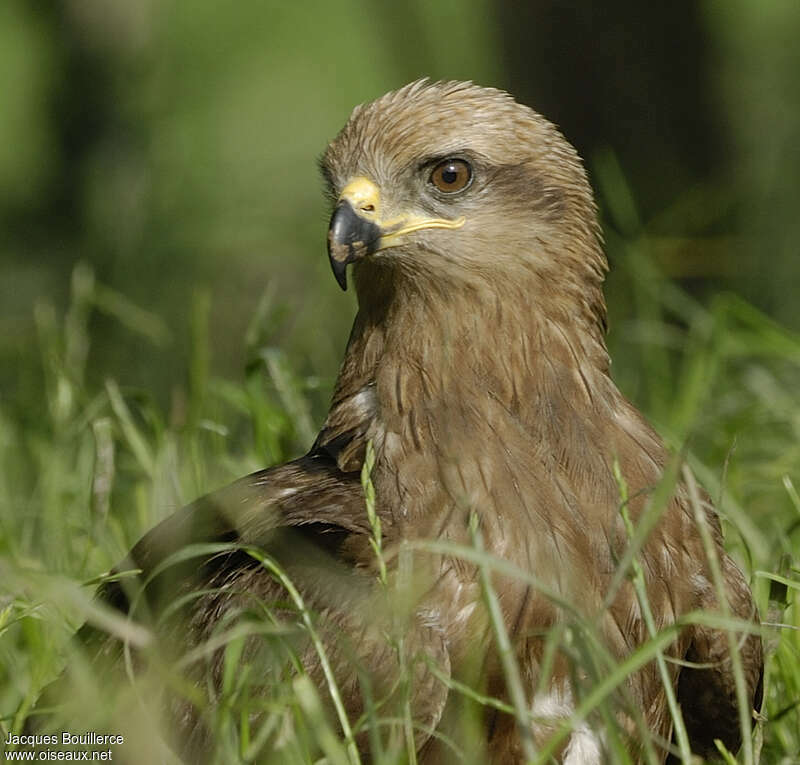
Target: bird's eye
{"x":451,"y":175}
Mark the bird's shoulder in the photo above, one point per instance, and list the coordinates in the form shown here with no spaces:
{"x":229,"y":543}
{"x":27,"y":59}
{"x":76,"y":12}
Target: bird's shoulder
{"x":308,"y":500}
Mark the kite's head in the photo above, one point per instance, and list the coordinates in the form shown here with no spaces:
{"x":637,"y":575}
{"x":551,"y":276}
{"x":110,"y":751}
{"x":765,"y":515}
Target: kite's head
{"x":457,"y":180}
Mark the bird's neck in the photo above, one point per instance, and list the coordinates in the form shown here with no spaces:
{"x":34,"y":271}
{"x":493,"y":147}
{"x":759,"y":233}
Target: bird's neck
{"x":440,"y":369}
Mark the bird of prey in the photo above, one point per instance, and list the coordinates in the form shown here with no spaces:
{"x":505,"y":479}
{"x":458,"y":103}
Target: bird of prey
{"x":477,"y":374}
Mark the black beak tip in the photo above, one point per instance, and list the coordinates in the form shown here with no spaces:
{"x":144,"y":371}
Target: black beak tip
{"x":350,"y":238}
{"x":340,"y":272}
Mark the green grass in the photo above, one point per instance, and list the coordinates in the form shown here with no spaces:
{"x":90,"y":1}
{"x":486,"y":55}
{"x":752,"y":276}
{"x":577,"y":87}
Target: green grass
{"x":96,"y":465}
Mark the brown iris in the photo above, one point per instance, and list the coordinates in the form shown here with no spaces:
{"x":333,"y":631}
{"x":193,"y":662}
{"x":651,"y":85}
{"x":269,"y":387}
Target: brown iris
{"x":451,"y":175}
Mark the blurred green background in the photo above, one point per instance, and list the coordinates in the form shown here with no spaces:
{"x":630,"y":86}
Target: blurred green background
{"x":168,"y":320}
{"x":171,"y":147}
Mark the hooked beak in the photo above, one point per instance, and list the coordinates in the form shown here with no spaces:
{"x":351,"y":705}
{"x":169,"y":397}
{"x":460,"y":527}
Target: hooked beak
{"x":356,"y":229}
{"x":350,"y":237}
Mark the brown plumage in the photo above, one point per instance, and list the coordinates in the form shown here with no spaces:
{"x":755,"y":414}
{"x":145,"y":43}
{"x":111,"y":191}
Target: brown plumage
{"x":477,"y":366}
